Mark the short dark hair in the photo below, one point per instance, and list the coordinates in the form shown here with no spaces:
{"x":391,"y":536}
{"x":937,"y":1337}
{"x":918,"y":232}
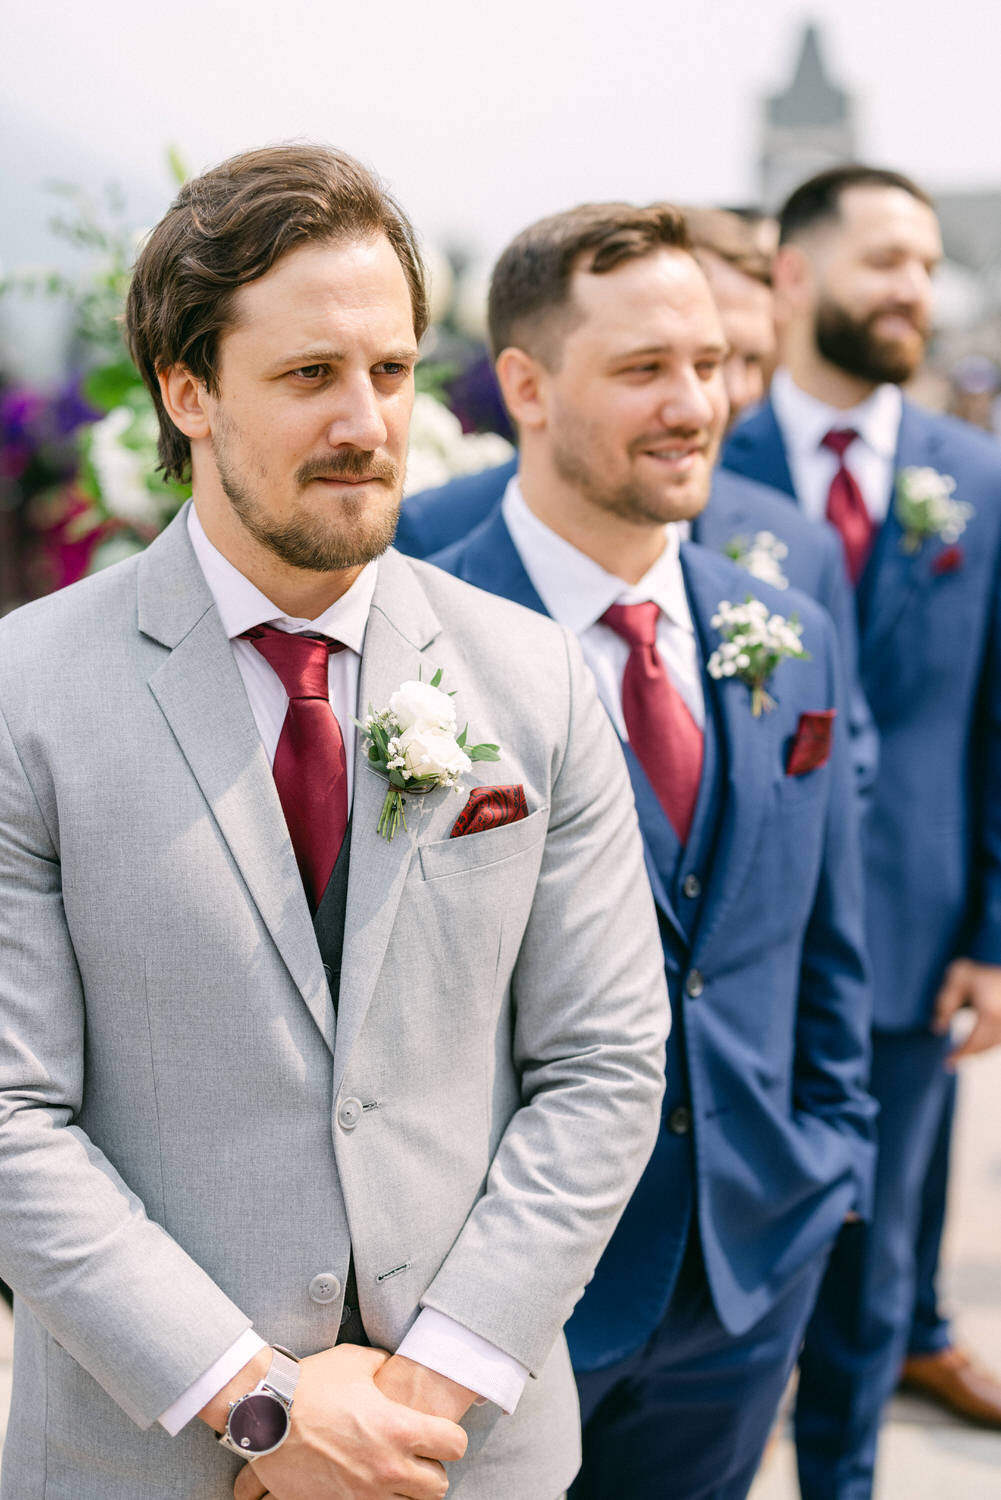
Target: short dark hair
{"x":820,"y":197}
{"x":730,"y":236}
{"x":530,"y":302}
{"x":229,"y":227}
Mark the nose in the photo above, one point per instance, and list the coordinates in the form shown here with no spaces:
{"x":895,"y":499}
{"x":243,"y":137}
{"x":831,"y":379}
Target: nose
{"x":357,"y":419}
{"x":914,"y":283}
{"x":688,"y":401}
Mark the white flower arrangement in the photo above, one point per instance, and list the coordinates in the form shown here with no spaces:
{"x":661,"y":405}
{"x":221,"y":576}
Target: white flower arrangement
{"x":413,"y":744}
{"x":925,"y":507}
{"x":754,"y":643}
{"x":762,"y":555}
{"x":440,"y":450}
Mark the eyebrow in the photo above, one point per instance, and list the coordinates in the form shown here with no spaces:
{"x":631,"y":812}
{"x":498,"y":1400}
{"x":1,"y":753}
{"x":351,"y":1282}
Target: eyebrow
{"x":318,"y":356}
{"x":716,"y":347}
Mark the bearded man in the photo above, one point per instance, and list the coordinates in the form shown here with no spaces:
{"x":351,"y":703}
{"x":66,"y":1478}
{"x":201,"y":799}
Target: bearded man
{"x":269,"y":1077}
{"x":917,"y":499}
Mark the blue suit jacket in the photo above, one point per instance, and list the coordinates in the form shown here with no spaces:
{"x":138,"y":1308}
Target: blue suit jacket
{"x":434,"y":519}
{"x":768,"y":1056}
{"x":930,"y":654}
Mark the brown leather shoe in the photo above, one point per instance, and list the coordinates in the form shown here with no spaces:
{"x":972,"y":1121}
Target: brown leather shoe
{"x":955,"y":1380}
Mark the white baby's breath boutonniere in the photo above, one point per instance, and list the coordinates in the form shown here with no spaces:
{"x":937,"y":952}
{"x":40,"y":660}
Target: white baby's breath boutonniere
{"x":925,"y":507}
{"x":754,"y":642}
{"x":762,"y":555}
{"x":413,"y":744}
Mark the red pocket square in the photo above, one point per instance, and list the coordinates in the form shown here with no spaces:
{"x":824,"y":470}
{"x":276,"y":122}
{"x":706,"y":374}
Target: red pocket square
{"x":811,"y":748}
{"x":950,"y":560}
{"x":490,"y":807}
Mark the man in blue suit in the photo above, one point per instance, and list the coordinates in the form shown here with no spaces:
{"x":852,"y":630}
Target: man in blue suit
{"x":738,"y":509}
{"x":609,"y":357}
{"x":918,"y":500}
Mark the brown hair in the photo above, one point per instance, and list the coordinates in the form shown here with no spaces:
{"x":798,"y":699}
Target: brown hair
{"x":730,"y":237}
{"x":229,"y":227}
{"x":530,"y":304}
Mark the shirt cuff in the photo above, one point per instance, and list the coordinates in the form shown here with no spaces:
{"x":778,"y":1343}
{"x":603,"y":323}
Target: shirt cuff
{"x":461,"y":1355}
{"x":181,"y":1411}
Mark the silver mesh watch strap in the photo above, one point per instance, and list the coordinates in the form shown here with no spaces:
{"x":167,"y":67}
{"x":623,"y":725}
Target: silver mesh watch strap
{"x":283,"y":1376}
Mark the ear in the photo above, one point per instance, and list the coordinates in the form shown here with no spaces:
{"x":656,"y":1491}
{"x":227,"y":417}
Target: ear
{"x":522,"y":381}
{"x":792,"y":278}
{"x":184,"y":398}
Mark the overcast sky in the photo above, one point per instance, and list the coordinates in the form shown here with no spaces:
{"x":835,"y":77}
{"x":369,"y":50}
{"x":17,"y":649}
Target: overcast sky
{"x":482,"y":116}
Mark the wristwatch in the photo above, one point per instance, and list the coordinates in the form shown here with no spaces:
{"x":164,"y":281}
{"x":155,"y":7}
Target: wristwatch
{"x":260,"y":1421}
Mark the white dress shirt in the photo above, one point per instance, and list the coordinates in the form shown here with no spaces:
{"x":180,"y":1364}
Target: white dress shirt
{"x":804,"y":421}
{"x":576,"y":591}
{"x":434,"y":1340}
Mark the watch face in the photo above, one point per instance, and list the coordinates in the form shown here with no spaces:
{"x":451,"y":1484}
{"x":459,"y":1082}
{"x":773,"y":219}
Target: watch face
{"x":258,"y":1423}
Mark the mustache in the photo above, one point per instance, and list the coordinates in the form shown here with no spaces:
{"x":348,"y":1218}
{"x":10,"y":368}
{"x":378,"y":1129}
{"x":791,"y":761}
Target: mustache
{"x":696,"y":437}
{"x":353,"y":463}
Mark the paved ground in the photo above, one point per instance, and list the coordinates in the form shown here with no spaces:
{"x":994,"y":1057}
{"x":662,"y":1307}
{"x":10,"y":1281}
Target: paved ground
{"x":925,"y":1455}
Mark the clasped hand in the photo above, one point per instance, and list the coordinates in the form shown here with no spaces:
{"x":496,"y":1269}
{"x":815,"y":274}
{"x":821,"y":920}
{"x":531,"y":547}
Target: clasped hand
{"x":350,"y":1440}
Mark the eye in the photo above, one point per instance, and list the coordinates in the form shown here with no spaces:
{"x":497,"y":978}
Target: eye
{"x":310,"y":373}
{"x":394,"y":368}
{"x":707,"y":368}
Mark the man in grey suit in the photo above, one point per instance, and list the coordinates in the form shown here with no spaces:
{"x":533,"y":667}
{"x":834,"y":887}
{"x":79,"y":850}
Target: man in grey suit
{"x":267,"y":1077}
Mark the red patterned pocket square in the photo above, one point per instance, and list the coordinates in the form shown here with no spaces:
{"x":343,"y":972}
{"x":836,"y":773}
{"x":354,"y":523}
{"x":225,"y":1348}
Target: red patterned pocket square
{"x":490,"y":807}
{"x":811,"y":748}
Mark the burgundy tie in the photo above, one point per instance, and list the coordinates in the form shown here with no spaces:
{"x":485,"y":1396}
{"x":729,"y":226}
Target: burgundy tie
{"x":310,"y":764}
{"x":666,"y":739}
{"x":846,"y":509}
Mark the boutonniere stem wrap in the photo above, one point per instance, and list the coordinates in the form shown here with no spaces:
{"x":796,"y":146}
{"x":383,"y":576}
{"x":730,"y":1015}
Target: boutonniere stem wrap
{"x":413,"y":744}
{"x":925,"y":507}
{"x":754,"y":642}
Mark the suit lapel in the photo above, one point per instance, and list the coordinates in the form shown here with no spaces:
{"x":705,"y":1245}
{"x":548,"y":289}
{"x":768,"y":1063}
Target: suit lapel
{"x":893,"y":575}
{"x":401,"y":624}
{"x":201,"y":695}
{"x":749,"y":747}
{"x":755,"y":448}
{"x":491,"y":561}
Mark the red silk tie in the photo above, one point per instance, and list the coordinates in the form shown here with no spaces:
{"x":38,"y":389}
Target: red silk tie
{"x":310,"y":766}
{"x":666,"y":739}
{"x":846,"y":509}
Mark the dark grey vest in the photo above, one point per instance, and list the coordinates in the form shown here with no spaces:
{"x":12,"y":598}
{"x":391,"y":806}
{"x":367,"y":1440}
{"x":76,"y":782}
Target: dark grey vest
{"x":328,"y":924}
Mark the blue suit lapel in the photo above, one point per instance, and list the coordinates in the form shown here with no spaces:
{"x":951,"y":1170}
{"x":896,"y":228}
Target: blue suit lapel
{"x":749,"y":750}
{"x":755,"y":448}
{"x":490,"y":560}
{"x":892,"y":574}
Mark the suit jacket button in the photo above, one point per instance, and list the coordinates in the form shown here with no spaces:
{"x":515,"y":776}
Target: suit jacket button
{"x":679,"y":1121}
{"x":349,"y":1114}
{"x":694,"y":984}
{"x":325,"y":1288}
{"x":691,"y":887}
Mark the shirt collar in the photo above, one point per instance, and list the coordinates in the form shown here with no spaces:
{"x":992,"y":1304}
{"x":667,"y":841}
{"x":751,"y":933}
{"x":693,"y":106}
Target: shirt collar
{"x":241,"y":604}
{"x":805,"y":420}
{"x":574,"y":588}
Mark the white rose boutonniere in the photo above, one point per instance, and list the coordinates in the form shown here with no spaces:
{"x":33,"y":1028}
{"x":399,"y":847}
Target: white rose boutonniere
{"x":754,"y":642}
{"x":762,"y":555}
{"x":925,"y":507}
{"x":414,"y":746}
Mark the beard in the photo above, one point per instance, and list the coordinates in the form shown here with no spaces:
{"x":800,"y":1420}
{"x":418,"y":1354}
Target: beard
{"x":852,"y":344}
{"x":576,"y":457}
{"x":317,"y":543}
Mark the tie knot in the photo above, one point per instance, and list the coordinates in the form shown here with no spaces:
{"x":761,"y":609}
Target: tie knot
{"x":839,"y":439}
{"x":636,"y":623}
{"x":300,"y":661}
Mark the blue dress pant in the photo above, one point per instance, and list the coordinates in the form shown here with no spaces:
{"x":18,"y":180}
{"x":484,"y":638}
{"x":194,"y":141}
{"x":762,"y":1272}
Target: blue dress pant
{"x":930,"y":1331}
{"x":688,"y":1415}
{"x":859,"y":1332}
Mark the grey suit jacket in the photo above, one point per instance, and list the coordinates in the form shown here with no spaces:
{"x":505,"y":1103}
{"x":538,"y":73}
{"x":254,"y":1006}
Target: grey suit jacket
{"x":188,"y":1133}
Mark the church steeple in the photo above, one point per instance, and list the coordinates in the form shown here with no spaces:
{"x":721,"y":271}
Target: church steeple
{"x":807,"y":126}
